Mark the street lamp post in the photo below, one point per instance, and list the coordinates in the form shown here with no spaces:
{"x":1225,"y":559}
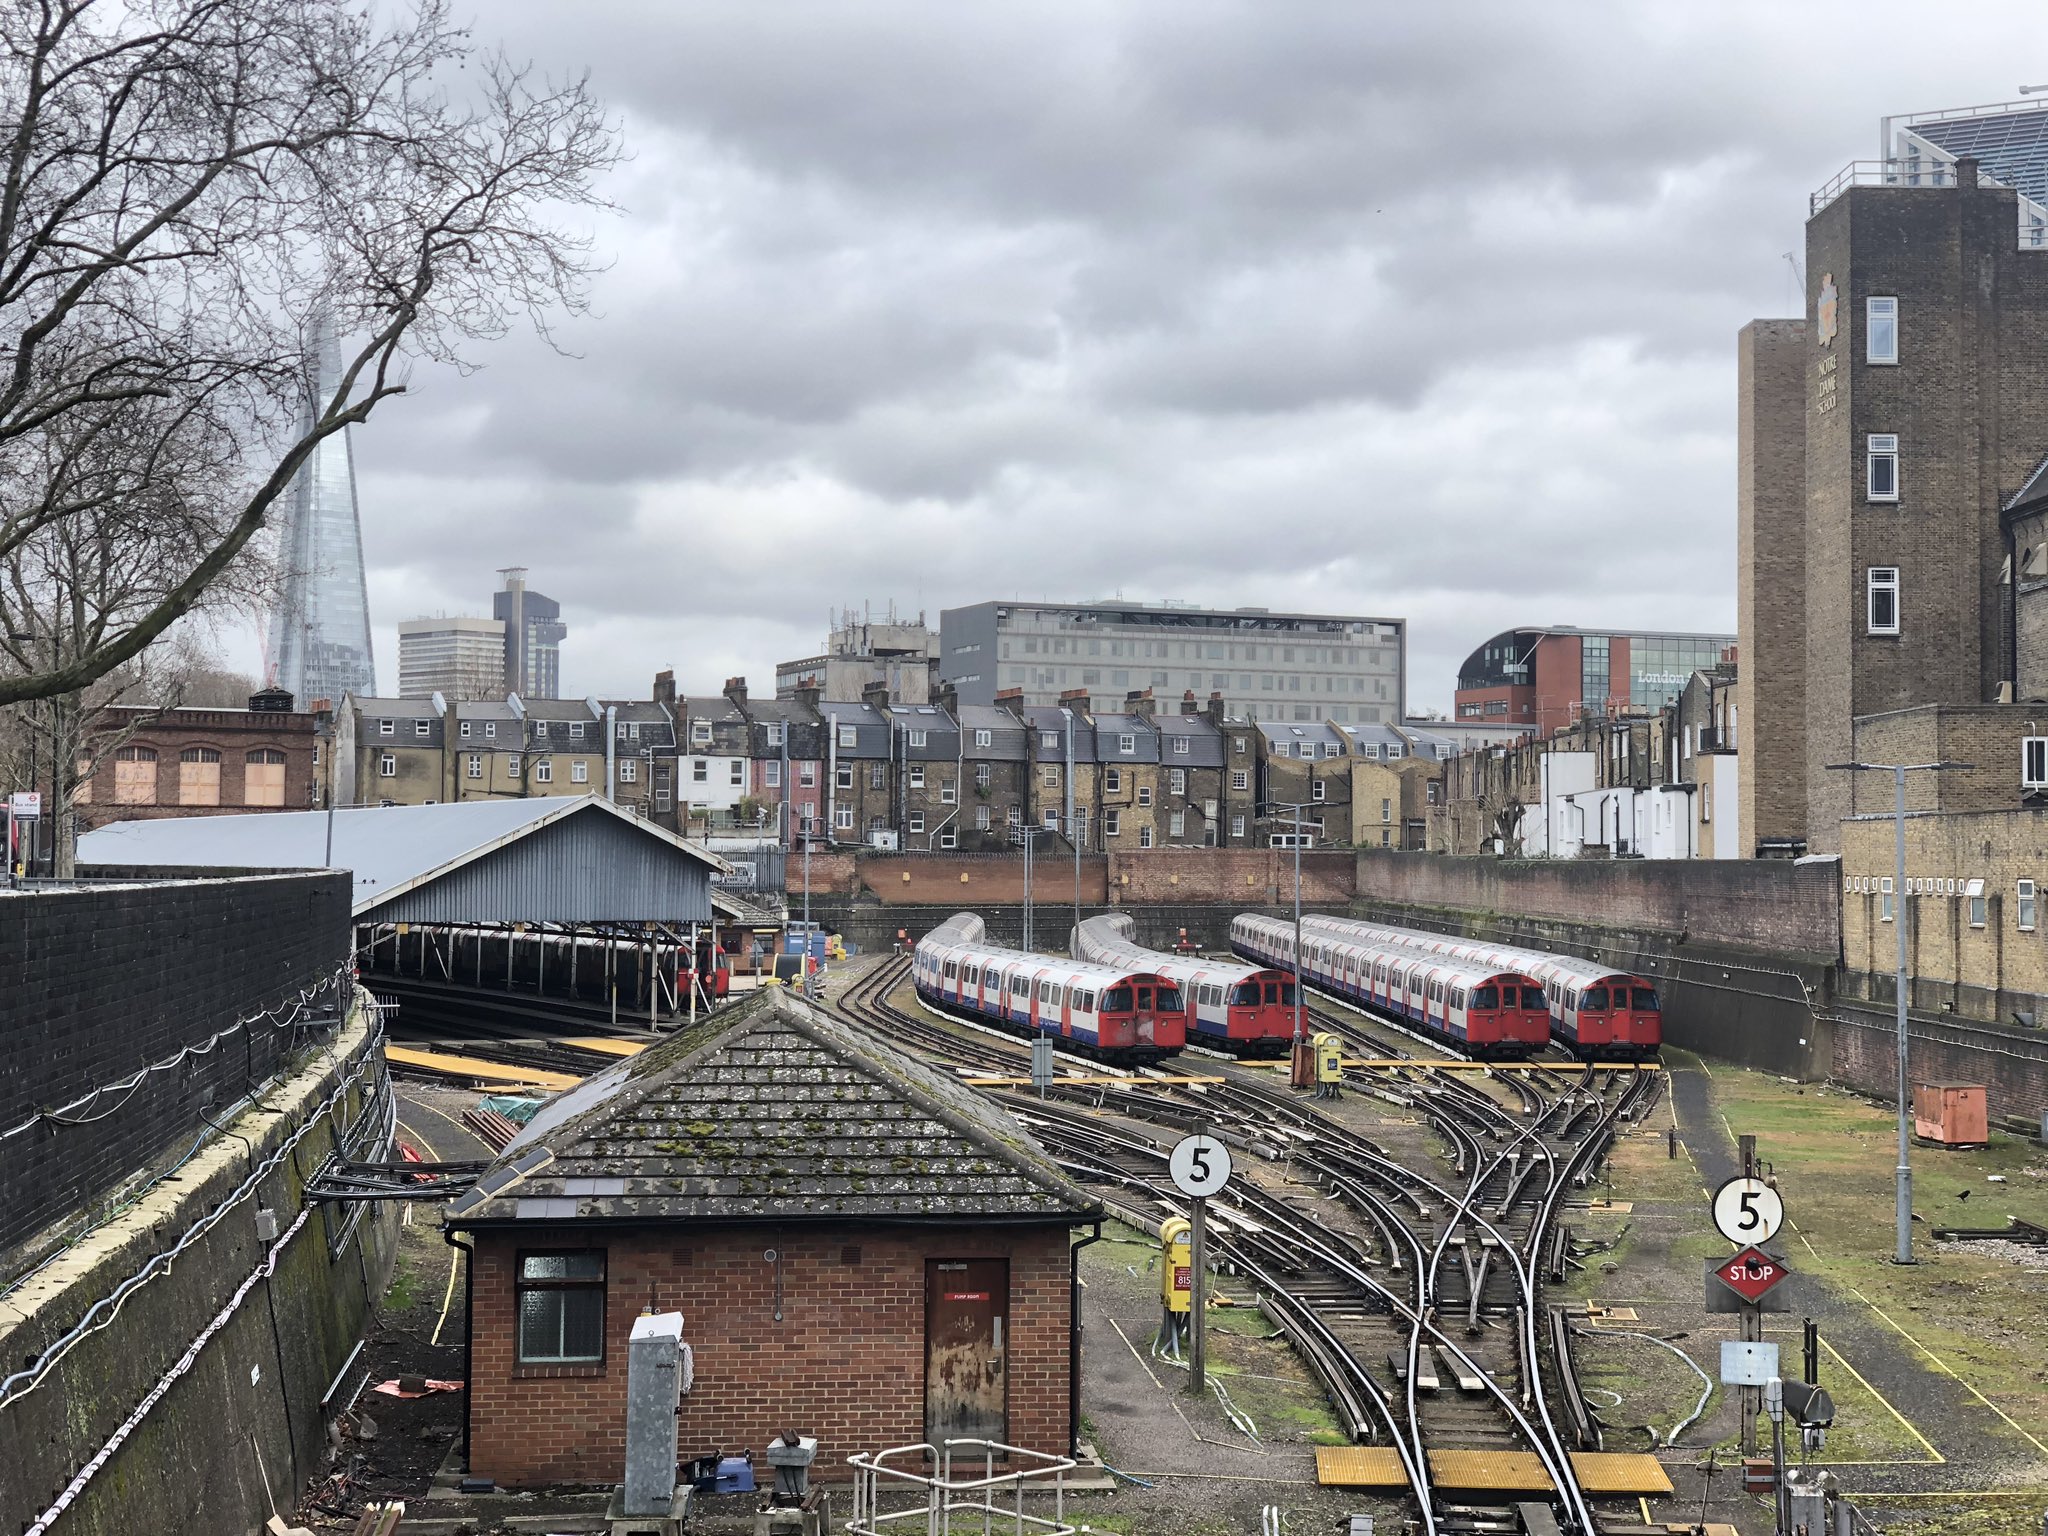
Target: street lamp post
{"x":1301,"y":1072}
{"x":1028,"y":835}
{"x":1904,"y":1214}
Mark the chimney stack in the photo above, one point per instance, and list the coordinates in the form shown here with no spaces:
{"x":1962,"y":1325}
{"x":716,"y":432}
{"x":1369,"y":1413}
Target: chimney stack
{"x":1140,"y":703}
{"x":1011,"y":699}
{"x":875,"y":694}
{"x":736,"y":690}
{"x":665,"y":689}
{"x":1216,"y":709}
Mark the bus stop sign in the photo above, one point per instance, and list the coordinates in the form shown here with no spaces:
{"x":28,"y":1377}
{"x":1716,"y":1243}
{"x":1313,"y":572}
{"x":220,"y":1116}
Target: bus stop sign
{"x":1751,"y":1273}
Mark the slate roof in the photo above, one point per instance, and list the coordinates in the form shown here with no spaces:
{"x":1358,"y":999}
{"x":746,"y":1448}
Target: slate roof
{"x":778,"y":1112}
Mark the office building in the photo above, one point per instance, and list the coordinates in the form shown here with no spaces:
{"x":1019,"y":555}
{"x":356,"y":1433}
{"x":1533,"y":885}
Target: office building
{"x":1543,"y":680}
{"x":319,"y":641}
{"x":1266,"y":665}
{"x":462,"y":657}
{"x":533,"y":636}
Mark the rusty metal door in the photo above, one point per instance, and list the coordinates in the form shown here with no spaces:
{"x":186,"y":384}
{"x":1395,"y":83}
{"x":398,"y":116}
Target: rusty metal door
{"x":966,"y":1320}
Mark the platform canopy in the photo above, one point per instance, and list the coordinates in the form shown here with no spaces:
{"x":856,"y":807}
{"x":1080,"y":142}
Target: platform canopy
{"x":571,"y":859}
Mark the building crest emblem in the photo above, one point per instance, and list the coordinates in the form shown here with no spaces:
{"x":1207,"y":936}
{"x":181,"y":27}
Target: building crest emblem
{"x":1828,"y":309}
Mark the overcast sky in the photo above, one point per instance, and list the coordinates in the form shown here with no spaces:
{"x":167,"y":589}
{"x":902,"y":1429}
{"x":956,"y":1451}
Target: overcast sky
{"x":1409,"y":310}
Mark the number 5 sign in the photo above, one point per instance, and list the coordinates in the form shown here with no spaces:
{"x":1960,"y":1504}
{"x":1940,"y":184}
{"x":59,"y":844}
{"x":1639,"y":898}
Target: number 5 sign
{"x":1748,"y":1211}
{"x":1200,"y":1165}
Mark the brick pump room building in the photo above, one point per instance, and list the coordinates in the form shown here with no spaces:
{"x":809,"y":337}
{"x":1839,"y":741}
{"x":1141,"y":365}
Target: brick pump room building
{"x":862,"y":1249}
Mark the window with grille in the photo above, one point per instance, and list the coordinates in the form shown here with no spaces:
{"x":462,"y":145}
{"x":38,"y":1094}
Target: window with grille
{"x":1881,"y":460}
{"x":561,"y":1307}
{"x":1881,"y":596}
{"x":1880,"y":330}
{"x":2034,"y":762}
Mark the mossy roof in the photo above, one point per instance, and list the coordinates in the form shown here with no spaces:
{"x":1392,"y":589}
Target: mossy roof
{"x":777,"y":1111}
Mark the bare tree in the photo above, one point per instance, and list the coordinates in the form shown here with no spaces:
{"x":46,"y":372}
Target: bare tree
{"x":187,"y":185}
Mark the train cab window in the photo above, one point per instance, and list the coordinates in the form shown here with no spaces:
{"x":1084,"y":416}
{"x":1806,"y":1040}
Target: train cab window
{"x":1485,"y":997}
{"x":1595,"y":1000}
{"x":1168,"y":998}
{"x":1247,"y":994}
{"x":1532,"y":997}
{"x":1287,"y":994}
{"x":1642,"y":999}
{"x":1116,"y":1000}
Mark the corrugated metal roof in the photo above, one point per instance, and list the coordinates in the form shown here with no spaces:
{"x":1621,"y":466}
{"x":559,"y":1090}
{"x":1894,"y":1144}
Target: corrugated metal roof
{"x":430,"y":863}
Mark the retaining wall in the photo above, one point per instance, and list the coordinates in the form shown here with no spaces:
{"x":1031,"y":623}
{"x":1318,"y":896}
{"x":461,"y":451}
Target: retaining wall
{"x":98,"y":981}
{"x":268,"y":1325}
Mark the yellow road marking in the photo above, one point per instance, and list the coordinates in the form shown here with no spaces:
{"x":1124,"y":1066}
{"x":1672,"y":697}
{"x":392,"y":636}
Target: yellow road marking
{"x":448,"y":1296}
{"x":454,"y":1253}
{"x":1943,"y":1365}
{"x":1894,"y":1412}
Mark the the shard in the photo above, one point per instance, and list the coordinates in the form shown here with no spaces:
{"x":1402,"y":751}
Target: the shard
{"x":319,"y":646}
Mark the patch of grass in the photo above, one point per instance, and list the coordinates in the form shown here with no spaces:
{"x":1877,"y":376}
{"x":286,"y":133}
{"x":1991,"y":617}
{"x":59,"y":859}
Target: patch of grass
{"x":398,"y":1296}
{"x":2018,"y":1515}
{"x":1833,"y":1155}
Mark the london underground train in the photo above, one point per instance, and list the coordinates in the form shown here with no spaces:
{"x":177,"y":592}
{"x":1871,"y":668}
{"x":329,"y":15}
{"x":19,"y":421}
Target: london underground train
{"x":1486,"y":1011}
{"x":1596,"y":1012}
{"x":1121,"y":1013}
{"x":1241,"y":1009}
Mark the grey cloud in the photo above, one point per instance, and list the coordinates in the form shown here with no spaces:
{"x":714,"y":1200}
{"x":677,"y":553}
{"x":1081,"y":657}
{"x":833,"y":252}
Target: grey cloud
{"x":1425,"y":311}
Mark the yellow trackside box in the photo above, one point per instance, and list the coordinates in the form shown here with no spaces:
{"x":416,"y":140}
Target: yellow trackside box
{"x":1329,"y":1058}
{"x":1176,"y":1264}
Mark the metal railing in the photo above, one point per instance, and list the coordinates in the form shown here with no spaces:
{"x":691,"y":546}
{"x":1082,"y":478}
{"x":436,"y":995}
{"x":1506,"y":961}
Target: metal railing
{"x":966,"y":1484}
{"x":1926,"y":171}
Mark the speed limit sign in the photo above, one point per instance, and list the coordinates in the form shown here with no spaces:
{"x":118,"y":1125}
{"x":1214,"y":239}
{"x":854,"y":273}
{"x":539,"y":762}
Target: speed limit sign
{"x":1200,"y":1165}
{"x":1748,"y":1211}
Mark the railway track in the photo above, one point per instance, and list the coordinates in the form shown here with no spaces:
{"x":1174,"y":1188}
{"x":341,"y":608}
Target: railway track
{"x":1426,"y":1327}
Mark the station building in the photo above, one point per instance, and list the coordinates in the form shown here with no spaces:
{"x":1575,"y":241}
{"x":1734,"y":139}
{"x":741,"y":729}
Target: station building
{"x":862,"y":1249}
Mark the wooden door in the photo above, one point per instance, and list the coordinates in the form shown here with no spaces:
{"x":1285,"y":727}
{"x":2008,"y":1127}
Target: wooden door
{"x":966,"y":1323}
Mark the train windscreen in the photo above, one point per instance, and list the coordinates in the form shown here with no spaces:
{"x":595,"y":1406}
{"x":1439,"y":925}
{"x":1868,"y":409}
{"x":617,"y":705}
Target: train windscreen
{"x":1167,"y":1000}
{"x":1116,"y":1000}
{"x":1532,"y":997}
{"x":1485,"y":997}
{"x":1245,"y":995}
{"x":1643,"y":999}
{"x":1595,"y":1000}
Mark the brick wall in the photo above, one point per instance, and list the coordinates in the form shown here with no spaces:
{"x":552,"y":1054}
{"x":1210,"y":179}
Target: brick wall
{"x":2011,"y":1063}
{"x":100,"y":980}
{"x":1966,"y":403}
{"x":1762,"y":904}
{"x":1770,"y":558}
{"x":846,"y":1363}
{"x":1251,"y":876}
{"x":1985,"y":736}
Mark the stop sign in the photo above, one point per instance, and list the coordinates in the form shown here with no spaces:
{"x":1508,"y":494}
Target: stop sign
{"x":1750,"y":1273}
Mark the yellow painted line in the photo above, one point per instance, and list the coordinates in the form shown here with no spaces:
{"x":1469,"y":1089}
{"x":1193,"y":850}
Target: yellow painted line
{"x":482,"y":1071}
{"x":1911,"y":1429}
{"x":1875,"y":1497}
{"x":425,"y":1145}
{"x":448,"y":1296}
{"x":1943,"y":1365}
{"x":608,"y":1047}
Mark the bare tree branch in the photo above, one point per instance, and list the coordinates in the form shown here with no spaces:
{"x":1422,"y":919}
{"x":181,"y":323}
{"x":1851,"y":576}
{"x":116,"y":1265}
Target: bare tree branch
{"x":187,"y":184}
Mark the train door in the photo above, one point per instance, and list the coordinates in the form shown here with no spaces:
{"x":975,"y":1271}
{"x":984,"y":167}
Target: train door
{"x":966,"y":1376}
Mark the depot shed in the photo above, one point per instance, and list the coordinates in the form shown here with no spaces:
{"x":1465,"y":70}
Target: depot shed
{"x":564,"y":897}
{"x":862,"y":1249}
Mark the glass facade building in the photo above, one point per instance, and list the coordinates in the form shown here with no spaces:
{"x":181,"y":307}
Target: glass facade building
{"x":319,"y":641}
{"x":1546,"y":679}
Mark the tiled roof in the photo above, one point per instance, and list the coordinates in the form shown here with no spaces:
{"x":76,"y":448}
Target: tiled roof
{"x":777,"y":1112}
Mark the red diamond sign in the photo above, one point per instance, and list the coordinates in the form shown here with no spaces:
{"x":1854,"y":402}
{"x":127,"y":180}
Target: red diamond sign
{"x":1751,"y":1273}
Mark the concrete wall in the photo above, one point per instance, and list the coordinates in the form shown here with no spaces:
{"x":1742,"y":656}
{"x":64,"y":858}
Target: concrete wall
{"x":240,"y":1424}
{"x":102,"y":980}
